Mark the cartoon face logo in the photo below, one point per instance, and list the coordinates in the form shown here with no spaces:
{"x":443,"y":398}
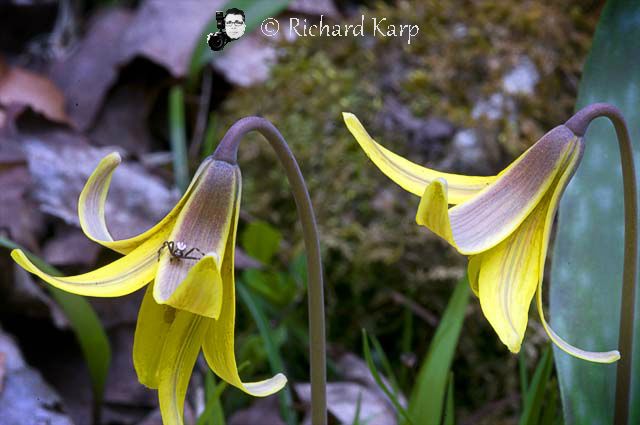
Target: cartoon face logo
{"x":234,"y":23}
{"x":231,"y":26}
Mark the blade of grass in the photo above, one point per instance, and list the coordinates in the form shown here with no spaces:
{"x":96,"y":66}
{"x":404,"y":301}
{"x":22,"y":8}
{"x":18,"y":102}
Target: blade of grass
{"x":428,"y":394}
{"x":213,"y":413}
{"x":255,"y":11}
{"x":449,"y":417}
{"x":356,"y":416}
{"x":522,"y":366}
{"x":407,"y":338}
{"x":209,"y":144}
{"x":85,"y":324}
{"x":275,"y":360}
{"x":376,"y":376}
{"x":550,"y":415}
{"x":385,"y":364}
{"x":178,"y":138}
{"x":532,"y":404}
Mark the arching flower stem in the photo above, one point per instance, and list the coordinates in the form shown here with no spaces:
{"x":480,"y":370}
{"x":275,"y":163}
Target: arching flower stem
{"x":228,"y":151}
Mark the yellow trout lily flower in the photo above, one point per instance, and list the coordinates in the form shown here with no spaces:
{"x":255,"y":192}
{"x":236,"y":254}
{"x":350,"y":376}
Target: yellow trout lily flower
{"x":191,"y":304}
{"x":501,"y":222}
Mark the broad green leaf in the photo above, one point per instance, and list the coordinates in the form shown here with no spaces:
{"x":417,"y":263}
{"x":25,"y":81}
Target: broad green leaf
{"x":449,"y":416}
{"x":427,"y":399}
{"x":273,"y":354}
{"x":261,"y":241}
{"x":586,"y":273}
{"x":85,"y":324}
{"x":532,"y":401}
{"x":255,"y":12}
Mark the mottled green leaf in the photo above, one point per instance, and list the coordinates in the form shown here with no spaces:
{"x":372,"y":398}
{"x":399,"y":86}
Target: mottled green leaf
{"x":587,"y":263}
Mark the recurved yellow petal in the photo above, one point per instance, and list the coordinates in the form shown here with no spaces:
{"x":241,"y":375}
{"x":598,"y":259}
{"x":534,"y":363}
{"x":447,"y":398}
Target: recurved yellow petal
{"x":410,"y":176}
{"x":508,"y":275}
{"x":473,"y":272}
{"x":93,"y":197}
{"x":433,"y":211}
{"x":154,"y":321}
{"x":118,"y":278}
{"x":218,"y":343}
{"x":201,"y":291}
{"x":179,"y":355}
{"x":592,"y":356}
{"x":189,"y":284}
{"x":493,"y":214}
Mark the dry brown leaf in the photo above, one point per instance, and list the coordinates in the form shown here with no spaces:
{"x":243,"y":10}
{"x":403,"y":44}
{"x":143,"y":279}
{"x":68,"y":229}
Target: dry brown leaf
{"x":358,"y":384}
{"x":247,"y":61}
{"x":262,"y":411}
{"x":21,"y":87}
{"x":26,"y":398}
{"x":60,"y":163}
{"x":18,"y":218}
{"x":315,"y":7}
{"x":70,"y":247}
{"x":166,"y":32}
{"x":123,"y":118}
{"x":87,"y":74}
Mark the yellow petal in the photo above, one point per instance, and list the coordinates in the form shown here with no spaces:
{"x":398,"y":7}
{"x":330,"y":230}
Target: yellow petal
{"x":179,"y":355}
{"x":218,"y":343}
{"x":493,"y":214}
{"x":592,"y":356}
{"x":154,"y":321}
{"x":433,"y":211}
{"x":92,"y":201}
{"x":508,"y":276}
{"x":473,"y":272}
{"x":118,"y":278}
{"x":201,"y":291}
{"x":410,"y":176}
{"x":203,"y":226}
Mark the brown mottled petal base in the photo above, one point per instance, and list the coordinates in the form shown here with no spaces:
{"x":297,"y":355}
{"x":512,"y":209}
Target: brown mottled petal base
{"x":195,"y":284}
{"x":493,"y":214}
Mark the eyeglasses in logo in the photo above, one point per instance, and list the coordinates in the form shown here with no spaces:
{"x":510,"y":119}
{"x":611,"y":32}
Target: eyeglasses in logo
{"x":231,"y":26}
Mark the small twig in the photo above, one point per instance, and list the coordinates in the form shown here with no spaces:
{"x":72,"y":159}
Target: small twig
{"x":416,"y":308}
{"x":203,"y":113}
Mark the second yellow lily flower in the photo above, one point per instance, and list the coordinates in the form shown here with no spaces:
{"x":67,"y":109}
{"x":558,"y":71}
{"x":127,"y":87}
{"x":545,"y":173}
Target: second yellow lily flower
{"x":501,"y":222}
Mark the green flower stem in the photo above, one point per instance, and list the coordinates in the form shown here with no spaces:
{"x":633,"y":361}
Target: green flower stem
{"x":578,"y":124}
{"x":228,"y":151}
